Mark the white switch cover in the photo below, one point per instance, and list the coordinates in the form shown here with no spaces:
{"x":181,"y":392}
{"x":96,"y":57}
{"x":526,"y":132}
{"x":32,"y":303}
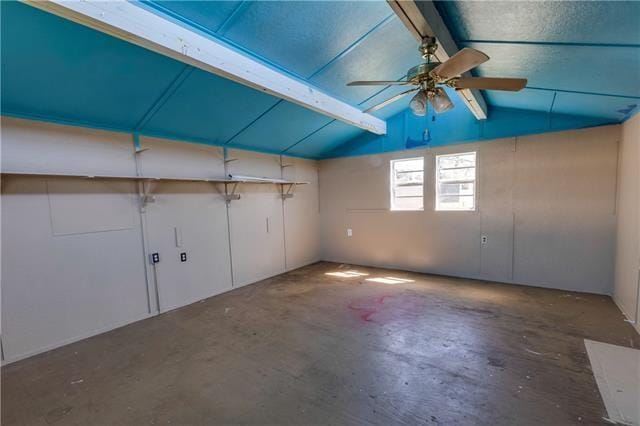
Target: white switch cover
{"x":178,"y":235}
{"x":349,"y":232}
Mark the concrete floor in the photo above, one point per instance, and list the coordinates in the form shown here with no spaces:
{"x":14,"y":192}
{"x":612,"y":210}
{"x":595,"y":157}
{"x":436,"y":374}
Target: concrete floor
{"x":306,"y":347}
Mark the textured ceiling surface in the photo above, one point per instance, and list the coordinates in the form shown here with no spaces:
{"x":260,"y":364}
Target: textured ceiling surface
{"x":581,"y":59}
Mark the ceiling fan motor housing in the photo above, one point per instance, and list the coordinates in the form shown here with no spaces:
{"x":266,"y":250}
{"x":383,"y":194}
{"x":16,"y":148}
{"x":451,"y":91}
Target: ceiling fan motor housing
{"x":421,"y":72}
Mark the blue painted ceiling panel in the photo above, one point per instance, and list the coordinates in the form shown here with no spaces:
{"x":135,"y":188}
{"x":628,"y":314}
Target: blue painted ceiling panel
{"x":591,"y":105}
{"x":55,"y":68}
{"x":600,"y":22}
{"x":209,"y":107}
{"x":587,"y":47}
{"x":611,"y":70}
{"x":324,"y":140}
{"x":386,"y":54}
{"x":536,"y":100}
{"x":302,"y":37}
{"x":209,"y":14}
{"x":280,"y":128}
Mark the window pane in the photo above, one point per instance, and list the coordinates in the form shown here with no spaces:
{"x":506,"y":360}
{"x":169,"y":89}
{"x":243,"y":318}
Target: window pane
{"x":457,"y":174}
{"x":409,"y":191}
{"x":407,"y":178}
{"x":457,"y":160}
{"x":408,"y":165}
{"x":455,"y":181}
{"x":455,"y":188}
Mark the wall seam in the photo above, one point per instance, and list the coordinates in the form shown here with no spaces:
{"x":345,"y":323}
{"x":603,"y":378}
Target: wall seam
{"x":284,"y":227}
{"x":143,"y":227}
{"x":227,"y":206}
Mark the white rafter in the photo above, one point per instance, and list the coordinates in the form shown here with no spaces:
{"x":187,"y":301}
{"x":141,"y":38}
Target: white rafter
{"x":140,"y":26}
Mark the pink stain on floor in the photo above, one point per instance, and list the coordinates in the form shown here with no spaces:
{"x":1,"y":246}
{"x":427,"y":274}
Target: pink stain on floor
{"x":367,"y":307}
{"x":384,"y":309}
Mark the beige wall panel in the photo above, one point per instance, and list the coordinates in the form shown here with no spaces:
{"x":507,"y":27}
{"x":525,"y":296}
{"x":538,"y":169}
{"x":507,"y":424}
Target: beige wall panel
{"x":57,"y":289}
{"x":30,"y":146}
{"x":560,"y":187}
{"x":188,"y":218}
{"x":564,"y":205}
{"x":256,"y":220}
{"x":627,"y":275}
{"x":254,"y":164}
{"x":257,"y":235}
{"x":168,"y":158}
{"x":74,"y":250}
{"x":302,"y":214}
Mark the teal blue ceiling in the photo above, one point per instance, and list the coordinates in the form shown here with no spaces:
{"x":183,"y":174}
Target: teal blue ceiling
{"x":406,"y":131}
{"x":52,"y":67}
{"x":581,"y":60}
{"x":580,"y":57}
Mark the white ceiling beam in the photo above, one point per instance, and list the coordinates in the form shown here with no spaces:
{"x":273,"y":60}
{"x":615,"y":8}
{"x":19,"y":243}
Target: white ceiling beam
{"x":423,"y":20}
{"x":125,"y":20}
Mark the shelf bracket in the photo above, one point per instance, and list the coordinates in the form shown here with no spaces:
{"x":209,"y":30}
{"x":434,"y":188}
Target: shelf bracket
{"x":141,"y":150}
{"x":146,"y":193}
{"x":288,"y":192}
{"x":231,"y":195}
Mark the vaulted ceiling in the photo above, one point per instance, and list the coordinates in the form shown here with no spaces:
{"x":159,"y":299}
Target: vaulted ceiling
{"x":580,"y":57}
{"x":582,"y":60}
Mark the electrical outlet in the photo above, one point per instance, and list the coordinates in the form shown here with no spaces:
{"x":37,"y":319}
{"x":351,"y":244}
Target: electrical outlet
{"x":349,"y":232}
{"x":155,"y":258}
{"x":483,"y":239}
{"x":183,"y":257}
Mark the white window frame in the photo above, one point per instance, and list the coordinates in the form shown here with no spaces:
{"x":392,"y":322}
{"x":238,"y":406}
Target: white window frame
{"x":474,"y":181}
{"x":392,"y":184}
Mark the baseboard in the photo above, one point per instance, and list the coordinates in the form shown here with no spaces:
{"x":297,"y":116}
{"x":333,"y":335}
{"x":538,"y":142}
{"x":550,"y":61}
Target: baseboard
{"x":630,"y":318}
{"x":302,"y":265}
{"x":131,"y":321}
{"x":71,"y":340}
{"x":459,"y":275}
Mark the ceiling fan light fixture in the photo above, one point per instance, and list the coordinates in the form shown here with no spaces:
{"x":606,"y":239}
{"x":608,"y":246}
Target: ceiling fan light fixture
{"x":419,"y":104}
{"x":441,"y":101}
{"x":427,"y":76}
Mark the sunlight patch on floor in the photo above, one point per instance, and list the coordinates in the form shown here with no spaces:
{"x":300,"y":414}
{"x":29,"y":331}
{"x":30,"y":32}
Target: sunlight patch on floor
{"x":389,"y":280}
{"x":346,"y":274}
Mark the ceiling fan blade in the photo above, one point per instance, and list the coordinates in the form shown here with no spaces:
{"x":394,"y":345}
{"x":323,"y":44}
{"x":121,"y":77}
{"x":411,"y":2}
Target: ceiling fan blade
{"x":377,"y":83}
{"x":390,"y":100}
{"x":490,"y":83}
{"x":441,"y":101}
{"x":459,"y":63}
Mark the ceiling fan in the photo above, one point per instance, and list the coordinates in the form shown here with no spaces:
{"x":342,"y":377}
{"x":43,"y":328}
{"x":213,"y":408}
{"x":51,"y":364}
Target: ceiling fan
{"x":430,"y":74}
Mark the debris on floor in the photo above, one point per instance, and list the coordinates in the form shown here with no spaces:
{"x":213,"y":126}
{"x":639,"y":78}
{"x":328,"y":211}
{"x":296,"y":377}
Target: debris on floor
{"x":617,"y":373}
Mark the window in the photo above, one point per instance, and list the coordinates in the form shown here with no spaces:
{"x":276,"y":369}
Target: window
{"x":456,"y":181}
{"x":407,"y":177}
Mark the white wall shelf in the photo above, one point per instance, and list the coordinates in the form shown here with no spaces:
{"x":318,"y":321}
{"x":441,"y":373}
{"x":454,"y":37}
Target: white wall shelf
{"x":231,"y":182}
{"x":230,"y":179}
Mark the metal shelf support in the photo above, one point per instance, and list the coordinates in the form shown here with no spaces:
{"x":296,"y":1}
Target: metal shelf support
{"x":231,"y":195}
{"x":288,"y":192}
{"x":146,"y":195}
